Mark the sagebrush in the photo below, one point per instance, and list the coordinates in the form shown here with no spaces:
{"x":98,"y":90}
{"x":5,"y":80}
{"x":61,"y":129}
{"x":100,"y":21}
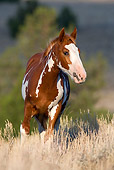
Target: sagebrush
{"x":72,"y":148}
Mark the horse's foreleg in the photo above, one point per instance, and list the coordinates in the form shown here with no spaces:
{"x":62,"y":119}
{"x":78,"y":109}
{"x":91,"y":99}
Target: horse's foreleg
{"x":53,"y":116}
{"x":25,"y":126}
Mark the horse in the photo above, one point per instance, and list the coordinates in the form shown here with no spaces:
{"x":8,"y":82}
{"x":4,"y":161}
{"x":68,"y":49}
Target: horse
{"x":46,"y":88}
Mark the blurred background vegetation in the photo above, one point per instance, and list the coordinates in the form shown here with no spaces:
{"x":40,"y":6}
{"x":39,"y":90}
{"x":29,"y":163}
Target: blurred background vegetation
{"x":33,"y":26}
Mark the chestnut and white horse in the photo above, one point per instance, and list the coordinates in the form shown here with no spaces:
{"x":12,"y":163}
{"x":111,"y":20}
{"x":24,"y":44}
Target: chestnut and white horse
{"x":45,"y":87}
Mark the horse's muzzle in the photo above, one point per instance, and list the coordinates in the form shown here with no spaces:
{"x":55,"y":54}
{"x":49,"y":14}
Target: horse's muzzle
{"x":79,"y":78}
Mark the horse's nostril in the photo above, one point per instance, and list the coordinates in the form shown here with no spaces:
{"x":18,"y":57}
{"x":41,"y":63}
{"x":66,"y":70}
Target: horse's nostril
{"x":81,"y":78}
{"x":74,"y":74}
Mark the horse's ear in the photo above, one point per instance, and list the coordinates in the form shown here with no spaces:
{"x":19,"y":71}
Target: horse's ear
{"x":74,"y":33}
{"x":61,"y":35}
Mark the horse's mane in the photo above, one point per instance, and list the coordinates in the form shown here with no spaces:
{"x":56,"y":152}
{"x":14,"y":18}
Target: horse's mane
{"x":50,"y":46}
{"x":39,"y":57}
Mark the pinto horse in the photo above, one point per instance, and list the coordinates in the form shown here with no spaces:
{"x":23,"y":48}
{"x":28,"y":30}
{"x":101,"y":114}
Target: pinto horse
{"x":45,"y":87}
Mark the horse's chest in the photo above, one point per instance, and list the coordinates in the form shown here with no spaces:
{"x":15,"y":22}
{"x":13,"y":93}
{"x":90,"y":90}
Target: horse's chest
{"x":60,"y":92}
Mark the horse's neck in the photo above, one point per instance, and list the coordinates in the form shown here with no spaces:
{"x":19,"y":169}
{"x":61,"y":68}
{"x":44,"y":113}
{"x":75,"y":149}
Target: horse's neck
{"x":49,"y":74}
{"x":51,"y":67}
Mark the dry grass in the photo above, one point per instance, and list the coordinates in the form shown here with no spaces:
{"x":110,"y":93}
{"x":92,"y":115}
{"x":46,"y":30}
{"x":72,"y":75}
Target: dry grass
{"x":92,"y":151}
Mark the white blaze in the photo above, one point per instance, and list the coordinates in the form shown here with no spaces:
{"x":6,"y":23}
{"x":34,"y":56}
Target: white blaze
{"x":74,"y":57}
{"x":76,"y":66}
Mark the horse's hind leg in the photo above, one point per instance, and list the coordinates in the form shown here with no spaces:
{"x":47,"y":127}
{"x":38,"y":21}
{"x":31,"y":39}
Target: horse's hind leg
{"x":42,"y":122}
{"x":42,"y":125}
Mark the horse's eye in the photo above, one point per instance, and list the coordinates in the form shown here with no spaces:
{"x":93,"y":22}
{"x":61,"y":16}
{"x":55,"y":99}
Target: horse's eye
{"x":66,"y":53}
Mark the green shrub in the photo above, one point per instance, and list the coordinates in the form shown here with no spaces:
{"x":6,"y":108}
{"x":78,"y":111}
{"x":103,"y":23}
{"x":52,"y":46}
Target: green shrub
{"x":66,"y":18}
{"x":18,"y":20}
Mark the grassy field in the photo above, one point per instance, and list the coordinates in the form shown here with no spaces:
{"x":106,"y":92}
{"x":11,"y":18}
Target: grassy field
{"x":74,"y":147}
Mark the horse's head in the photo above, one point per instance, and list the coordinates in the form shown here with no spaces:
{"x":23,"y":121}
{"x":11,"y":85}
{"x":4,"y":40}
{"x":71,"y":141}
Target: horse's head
{"x":69,"y":56}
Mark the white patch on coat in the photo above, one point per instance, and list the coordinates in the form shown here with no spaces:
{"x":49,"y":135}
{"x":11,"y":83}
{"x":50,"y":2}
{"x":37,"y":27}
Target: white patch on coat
{"x":49,"y":54}
{"x":25,"y":85}
{"x":24,"y":88}
{"x":62,"y":68}
{"x":40,"y":80}
{"x":59,"y":96}
{"x":53,"y":111}
{"x":22,"y":130}
{"x":23,"y":134}
{"x":50,"y":64}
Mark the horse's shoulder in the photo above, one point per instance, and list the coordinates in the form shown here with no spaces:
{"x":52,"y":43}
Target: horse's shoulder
{"x":35,"y":59}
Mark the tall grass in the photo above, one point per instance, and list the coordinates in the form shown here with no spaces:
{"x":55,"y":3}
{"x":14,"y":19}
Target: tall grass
{"x":72,"y":148}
